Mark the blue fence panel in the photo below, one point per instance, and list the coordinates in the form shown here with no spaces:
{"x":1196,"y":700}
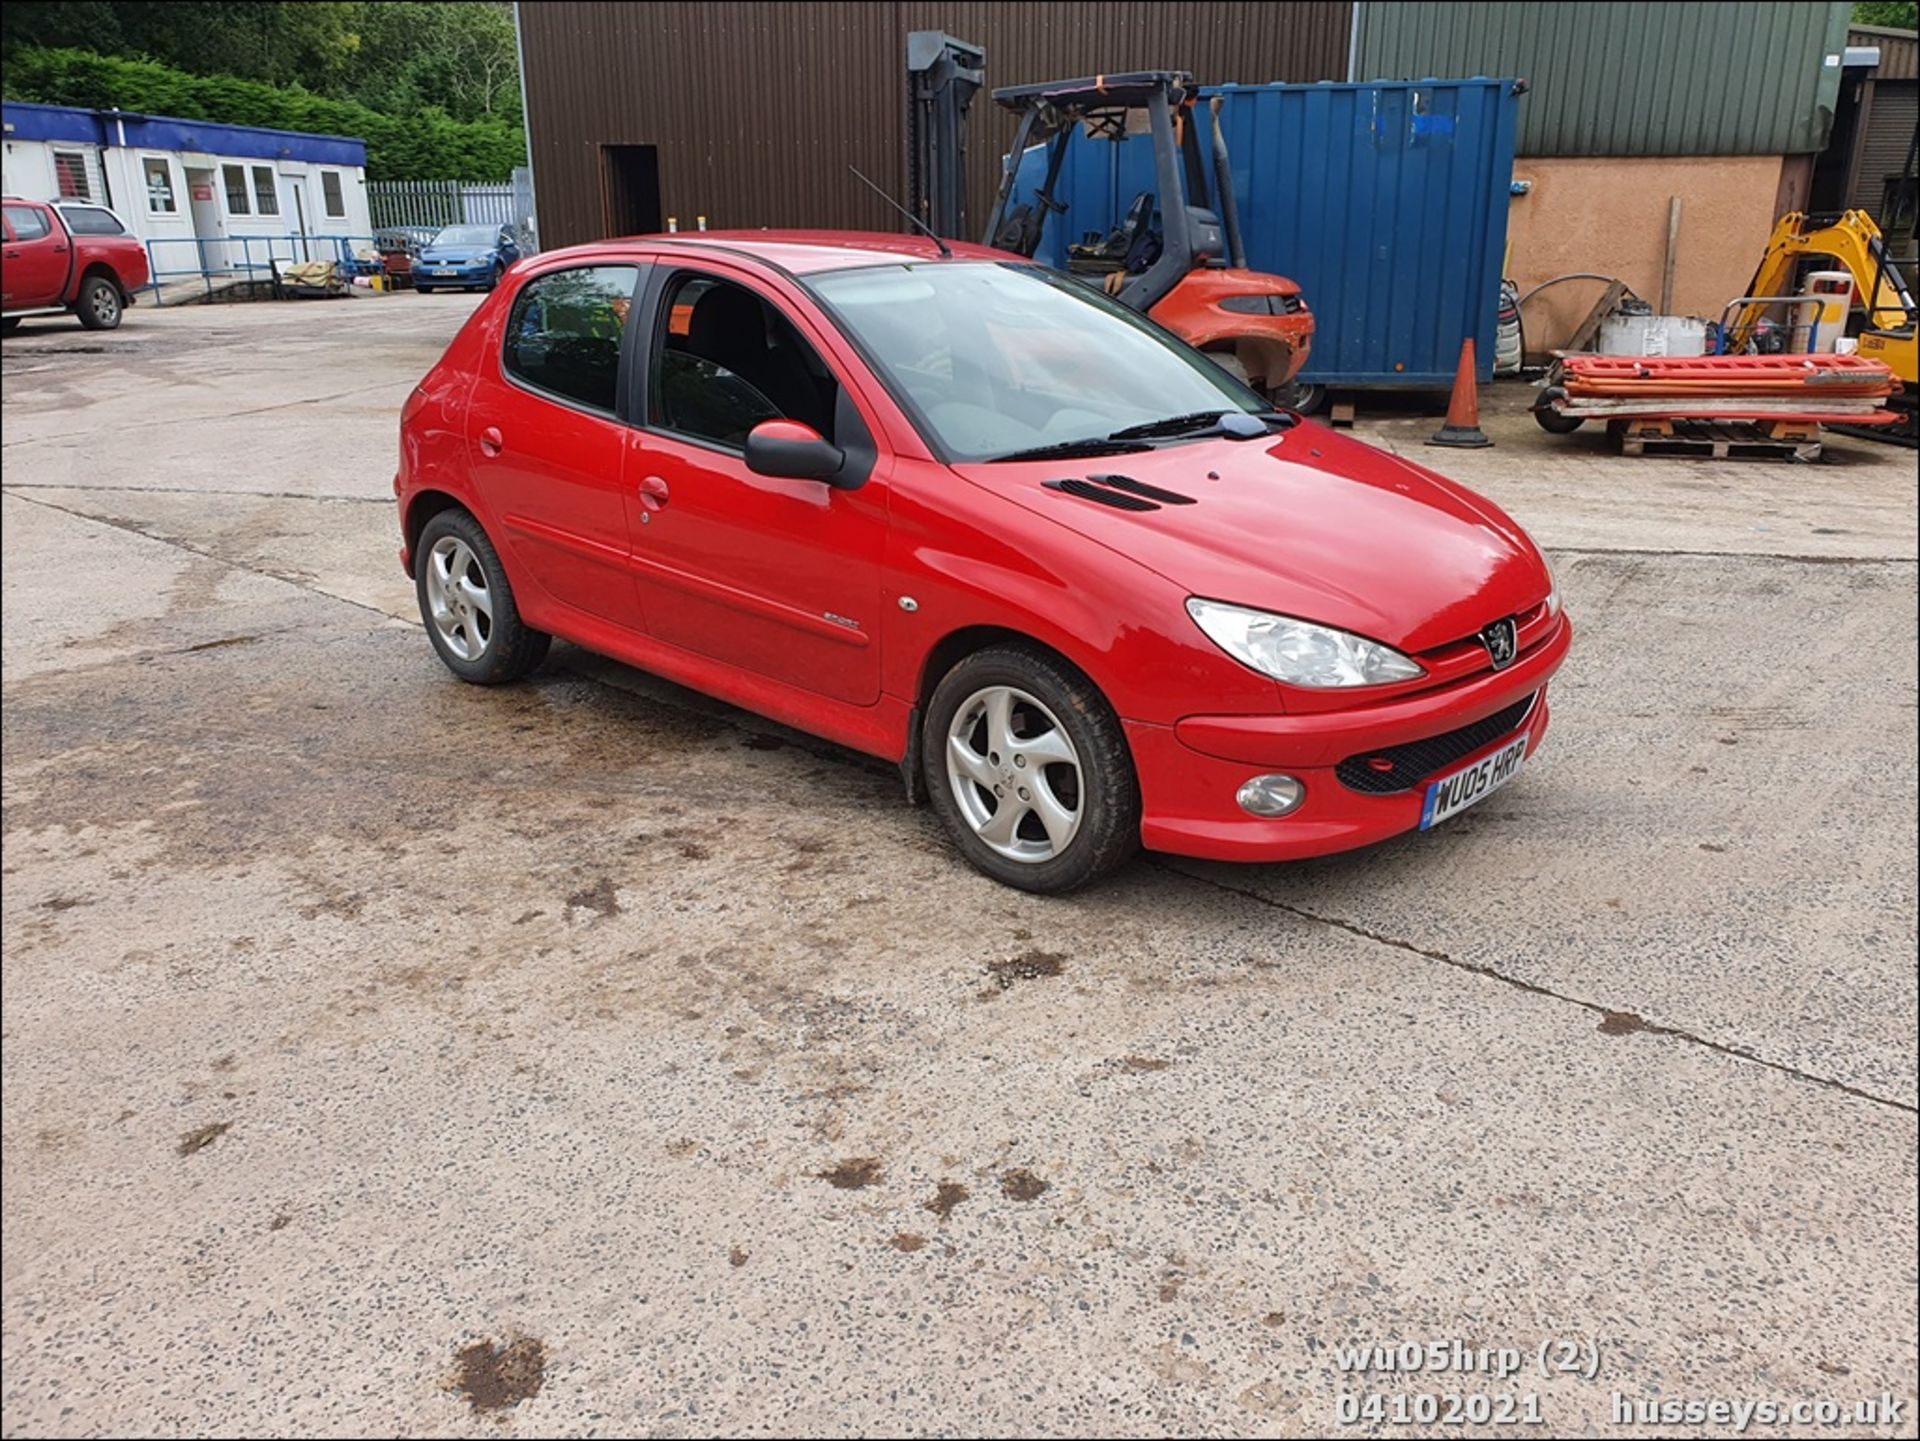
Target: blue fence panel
{"x":247,"y":257}
{"x":1386,"y":202}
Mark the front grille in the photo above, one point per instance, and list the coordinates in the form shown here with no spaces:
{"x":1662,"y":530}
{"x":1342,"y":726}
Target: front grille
{"x":1393,"y":769}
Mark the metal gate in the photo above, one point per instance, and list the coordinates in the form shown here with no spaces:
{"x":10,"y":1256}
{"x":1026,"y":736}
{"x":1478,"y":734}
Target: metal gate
{"x":429,"y":204}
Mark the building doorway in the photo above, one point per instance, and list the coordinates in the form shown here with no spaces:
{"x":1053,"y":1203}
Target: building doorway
{"x":208,"y":229}
{"x":629,"y":189}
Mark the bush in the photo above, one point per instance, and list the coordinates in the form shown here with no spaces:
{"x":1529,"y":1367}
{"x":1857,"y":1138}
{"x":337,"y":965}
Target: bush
{"x":429,"y":145}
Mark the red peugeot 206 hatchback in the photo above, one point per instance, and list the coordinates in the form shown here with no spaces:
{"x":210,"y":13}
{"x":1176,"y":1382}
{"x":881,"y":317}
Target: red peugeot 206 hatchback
{"x":972,"y":516}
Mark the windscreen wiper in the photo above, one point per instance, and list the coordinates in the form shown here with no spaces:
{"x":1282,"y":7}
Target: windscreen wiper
{"x":1172,"y":425}
{"x":1235,"y":423}
{"x":1089,"y":445}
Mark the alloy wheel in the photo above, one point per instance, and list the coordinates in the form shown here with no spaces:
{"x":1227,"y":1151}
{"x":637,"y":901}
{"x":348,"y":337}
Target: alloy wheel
{"x":1015,"y":774}
{"x":106,"y":305}
{"x":458,"y":599}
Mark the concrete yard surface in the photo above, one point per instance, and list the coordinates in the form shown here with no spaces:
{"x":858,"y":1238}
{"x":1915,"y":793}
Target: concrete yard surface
{"x":389,"y":1056}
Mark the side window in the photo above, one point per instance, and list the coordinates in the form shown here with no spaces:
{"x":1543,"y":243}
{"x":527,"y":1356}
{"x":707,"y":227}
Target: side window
{"x":27,"y":221}
{"x":563,"y":334}
{"x":266,"y":193}
{"x":330,"y":191}
{"x":159,"y":186}
{"x":234,"y":177}
{"x":92,"y":220}
{"x":725,"y":360}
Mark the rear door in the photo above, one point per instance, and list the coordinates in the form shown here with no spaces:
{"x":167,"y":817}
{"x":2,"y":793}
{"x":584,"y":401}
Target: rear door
{"x":778,"y":577}
{"x":38,"y":256}
{"x":545,"y":436}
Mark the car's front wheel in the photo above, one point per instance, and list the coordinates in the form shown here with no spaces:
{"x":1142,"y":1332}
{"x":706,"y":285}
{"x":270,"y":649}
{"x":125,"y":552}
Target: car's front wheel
{"x":468,"y":605}
{"x":1028,"y":767}
{"x":98,"y":304}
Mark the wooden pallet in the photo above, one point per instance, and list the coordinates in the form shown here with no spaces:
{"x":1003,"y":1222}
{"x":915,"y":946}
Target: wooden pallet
{"x":1718,"y":439}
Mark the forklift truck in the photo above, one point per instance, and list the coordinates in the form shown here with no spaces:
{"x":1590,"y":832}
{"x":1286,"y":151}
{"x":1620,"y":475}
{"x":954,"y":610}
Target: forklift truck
{"x":1172,"y":257}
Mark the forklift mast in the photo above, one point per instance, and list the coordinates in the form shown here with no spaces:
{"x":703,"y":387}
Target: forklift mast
{"x":943,"y":75}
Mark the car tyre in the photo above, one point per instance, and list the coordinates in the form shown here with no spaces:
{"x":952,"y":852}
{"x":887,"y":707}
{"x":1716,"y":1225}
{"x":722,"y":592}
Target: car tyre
{"x":1553,"y":421}
{"x":1303,"y":397}
{"x":98,"y":304}
{"x":1024,"y":720}
{"x":467,"y":603}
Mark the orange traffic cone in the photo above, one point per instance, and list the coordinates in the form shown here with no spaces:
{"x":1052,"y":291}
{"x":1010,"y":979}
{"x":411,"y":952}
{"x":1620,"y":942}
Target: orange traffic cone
{"x":1463,"y":407}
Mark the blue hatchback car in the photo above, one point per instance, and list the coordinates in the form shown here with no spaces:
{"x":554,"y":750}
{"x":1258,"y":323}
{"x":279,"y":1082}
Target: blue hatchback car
{"x":465,"y":257}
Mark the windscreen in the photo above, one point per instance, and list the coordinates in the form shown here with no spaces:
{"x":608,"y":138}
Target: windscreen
{"x":993,"y":359}
{"x":483,"y":235}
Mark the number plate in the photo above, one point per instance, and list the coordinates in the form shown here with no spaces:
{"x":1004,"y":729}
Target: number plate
{"x":446,"y":270}
{"x":1452,"y":794}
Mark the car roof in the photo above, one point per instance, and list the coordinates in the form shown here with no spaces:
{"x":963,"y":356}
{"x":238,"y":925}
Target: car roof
{"x":806,"y":252}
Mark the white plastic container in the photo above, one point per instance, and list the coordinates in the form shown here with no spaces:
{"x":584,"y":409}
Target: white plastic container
{"x":1628,"y":334}
{"x":1817,"y":327}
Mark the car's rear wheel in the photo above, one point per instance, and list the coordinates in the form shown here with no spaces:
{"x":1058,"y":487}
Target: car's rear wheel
{"x":98,"y":305}
{"x":468,"y":605}
{"x":1028,"y":768}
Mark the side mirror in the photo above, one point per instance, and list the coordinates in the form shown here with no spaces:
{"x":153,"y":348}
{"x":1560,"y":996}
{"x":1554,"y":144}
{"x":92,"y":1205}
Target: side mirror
{"x":792,"y":451}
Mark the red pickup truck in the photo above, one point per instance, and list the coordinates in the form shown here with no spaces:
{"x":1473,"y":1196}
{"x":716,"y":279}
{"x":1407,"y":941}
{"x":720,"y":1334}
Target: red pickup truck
{"x":70,"y":257}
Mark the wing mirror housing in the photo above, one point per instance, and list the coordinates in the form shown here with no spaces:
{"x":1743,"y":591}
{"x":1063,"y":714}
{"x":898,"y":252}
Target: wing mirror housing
{"x":788,"y":450}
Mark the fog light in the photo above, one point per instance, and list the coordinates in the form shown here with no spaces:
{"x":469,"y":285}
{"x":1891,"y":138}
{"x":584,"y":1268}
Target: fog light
{"x":1271,"y":796}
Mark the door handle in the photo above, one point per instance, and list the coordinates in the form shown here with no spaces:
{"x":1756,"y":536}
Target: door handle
{"x":653,"y":492}
{"x":491,"y":441}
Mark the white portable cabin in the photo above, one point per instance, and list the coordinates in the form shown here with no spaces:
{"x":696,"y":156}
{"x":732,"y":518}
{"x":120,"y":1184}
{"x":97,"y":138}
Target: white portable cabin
{"x":193,"y":187}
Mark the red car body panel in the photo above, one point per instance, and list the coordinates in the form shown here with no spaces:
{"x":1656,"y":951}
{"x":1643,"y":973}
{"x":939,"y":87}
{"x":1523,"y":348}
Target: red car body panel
{"x":784,"y":596}
{"x":46,"y":271}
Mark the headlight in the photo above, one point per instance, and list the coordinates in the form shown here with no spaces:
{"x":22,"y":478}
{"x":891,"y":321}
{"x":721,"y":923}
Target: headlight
{"x":1297,"y":651}
{"x":1553,"y":587}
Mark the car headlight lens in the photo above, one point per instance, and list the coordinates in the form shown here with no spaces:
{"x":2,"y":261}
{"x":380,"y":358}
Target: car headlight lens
{"x":1297,"y":651}
{"x":1553,"y":587}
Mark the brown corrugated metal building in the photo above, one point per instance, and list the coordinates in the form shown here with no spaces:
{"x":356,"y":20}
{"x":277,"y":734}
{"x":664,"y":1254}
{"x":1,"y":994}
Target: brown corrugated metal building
{"x":750,"y":113}
{"x":1889,"y":113}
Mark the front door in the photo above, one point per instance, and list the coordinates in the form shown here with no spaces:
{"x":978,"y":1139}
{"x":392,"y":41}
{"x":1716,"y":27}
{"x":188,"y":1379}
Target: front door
{"x":299,"y":189}
{"x":37,"y":258}
{"x":778,"y":577}
{"x":205,"y":212}
{"x":546,"y":439}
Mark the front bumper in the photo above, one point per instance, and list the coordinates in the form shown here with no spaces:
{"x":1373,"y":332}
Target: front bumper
{"x":1189,"y":772}
{"x":471,"y":274}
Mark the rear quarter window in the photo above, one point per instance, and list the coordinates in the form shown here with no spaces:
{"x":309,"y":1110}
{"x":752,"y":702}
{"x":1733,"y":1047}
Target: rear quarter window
{"x":91,"y":220}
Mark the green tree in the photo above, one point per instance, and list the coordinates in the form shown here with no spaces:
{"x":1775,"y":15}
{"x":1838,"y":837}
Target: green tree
{"x":426,"y":144}
{"x":400,"y":57}
{"x":1900,"y":14}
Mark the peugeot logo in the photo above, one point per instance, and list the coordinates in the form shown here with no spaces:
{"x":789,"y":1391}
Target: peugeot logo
{"x":1502,"y":643}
